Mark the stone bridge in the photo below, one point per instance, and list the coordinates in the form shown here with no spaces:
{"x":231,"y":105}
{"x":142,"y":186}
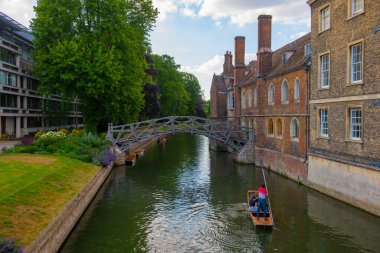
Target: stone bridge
{"x":127,"y":136}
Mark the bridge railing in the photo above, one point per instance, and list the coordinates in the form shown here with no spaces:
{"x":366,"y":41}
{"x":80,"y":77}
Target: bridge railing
{"x":128,"y":135}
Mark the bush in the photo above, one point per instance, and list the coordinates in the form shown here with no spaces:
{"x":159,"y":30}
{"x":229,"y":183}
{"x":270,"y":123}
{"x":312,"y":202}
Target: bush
{"x":9,"y":246}
{"x":54,"y":135}
{"x":104,"y":158}
{"x":64,"y":131}
{"x":77,"y":132}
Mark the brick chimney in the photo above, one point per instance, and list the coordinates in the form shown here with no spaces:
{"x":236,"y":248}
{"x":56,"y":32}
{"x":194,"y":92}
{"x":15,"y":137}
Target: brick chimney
{"x":239,"y":68}
{"x":264,"y":52}
{"x":227,"y":66}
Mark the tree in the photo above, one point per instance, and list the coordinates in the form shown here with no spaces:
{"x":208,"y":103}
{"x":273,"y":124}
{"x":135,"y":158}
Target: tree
{"x":94,"y":50}
{"x":195,"y":103}
{"x":173,"y":95}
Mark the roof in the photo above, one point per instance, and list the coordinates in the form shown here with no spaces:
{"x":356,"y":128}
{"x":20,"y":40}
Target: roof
{"x":296,"y":60}
{"x":16,"y":27}
{"x":250,"y":77}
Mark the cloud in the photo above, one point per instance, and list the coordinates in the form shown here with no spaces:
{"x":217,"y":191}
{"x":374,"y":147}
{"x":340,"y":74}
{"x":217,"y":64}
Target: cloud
{"x":188,"y":12}
{"x":165,"y":7}
{"x":20,"y":10}
{"x":297,"y":35}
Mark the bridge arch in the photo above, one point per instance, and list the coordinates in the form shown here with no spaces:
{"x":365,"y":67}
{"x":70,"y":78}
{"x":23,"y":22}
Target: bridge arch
{"x":129,"y":135}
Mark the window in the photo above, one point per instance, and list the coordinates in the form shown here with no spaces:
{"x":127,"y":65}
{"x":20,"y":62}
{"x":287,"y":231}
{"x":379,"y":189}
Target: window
{"x":356,"y":63}
{"x":279,"y":127}
{"x":294,"y":130}
{"x":7,"y":100}
{"x":284,"y":91}
{"x":255,"y":98}
{"x":324,"y":63}
{"x":308,"y":49}
{"x":325,"y":19}
{"x":324,"y":127}
{"x":243,"y":122}
{"x":355,"y":123}
{"x":356,"y":7}
{"x":231,"y":100}
{"x":250,"y":99}
{"x":297,"y":90}
{"x":270,"y":127}
{"x":7,"y":56}
{"x":271,"y":94}
{"x":243,"y":100}
{"x":7,"y":78}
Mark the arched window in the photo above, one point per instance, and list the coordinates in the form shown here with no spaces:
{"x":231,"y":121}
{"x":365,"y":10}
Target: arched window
{"x":284,"y":91}
{"x":250,"y":99}
{"x":270,"y":127}
{"x":297,"y":89}
{"x":294,"y":129}
{"x":279,"y":127}
{"x":255,"y":98}
{"x":243,"y":100}
{"x":271,"y":93}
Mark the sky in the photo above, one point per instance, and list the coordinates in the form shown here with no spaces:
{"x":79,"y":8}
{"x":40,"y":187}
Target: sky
{"x":197,"y":33}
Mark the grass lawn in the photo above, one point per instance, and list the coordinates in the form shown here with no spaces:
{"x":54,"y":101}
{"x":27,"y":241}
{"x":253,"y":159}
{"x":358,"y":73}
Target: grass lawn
{"x":33,"y":189}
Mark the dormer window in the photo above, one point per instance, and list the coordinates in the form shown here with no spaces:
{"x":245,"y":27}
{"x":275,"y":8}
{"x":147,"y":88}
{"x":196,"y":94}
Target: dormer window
{"x":285,"y":56}
{"x":307,"y":49}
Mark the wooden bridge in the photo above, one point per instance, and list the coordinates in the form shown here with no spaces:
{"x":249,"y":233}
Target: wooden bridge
{"x":127,"y":136}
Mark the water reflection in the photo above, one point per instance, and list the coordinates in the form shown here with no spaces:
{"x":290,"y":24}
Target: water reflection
{"x":185,"y":198}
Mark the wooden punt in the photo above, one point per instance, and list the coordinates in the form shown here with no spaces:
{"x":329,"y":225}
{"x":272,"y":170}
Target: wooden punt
{"x":130,"y":159}
{"x":139,"y":152}
{"x":268,"y":222}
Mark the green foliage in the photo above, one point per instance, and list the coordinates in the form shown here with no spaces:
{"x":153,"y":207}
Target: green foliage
{"x":206,"y":107}
{"x":83,"y":148}
{"x":94,"y":50}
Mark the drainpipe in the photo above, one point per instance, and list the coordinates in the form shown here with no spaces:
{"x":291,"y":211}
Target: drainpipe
{"x":307,"y":69}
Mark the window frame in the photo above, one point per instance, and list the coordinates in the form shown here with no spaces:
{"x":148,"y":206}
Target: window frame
{"x":321,"y":123}
{"x":277,"y":128}
{"x":297,"y":90}
{"x":321,"y":22}
{"x":294,"y":137}
{"x":350,"y":64}
{"x":271,"y":95}
{"x":271,"y":132}
{"x":351,"y":13}
{"x":255,"y":98}
{"x":231,"y":100}
{"x":243,"y":102}
{"x":285,"y":100}
{"x":320,"y":65}
{"x":250,"y":99}
{"x":307,"y":48}
{"x":350,"y":137}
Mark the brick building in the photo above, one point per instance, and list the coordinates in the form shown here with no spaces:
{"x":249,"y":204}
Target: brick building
{"x":270,"y":95}
{"x":344,"y":156}
{"x":20,"y":104}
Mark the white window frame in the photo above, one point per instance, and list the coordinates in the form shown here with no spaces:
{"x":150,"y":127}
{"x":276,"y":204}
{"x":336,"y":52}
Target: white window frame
{"x":285,"y":91}
{"x":297,"y":87}
{"x":355,"y":123}
{"x":271,"y":92}
{"x":356,"y":63}
{"x":325,"y":18}
{"x":357,"y":6}
{"x":323,"y":120}
{"x":307,"y":49}
{"x":294,"y":130}
{"x":324,"y":70}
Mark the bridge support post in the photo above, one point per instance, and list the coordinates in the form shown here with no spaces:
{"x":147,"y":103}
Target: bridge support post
{"x":247,"y":154}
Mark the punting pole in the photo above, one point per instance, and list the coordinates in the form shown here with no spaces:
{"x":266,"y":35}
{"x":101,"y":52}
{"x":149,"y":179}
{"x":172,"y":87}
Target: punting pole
{"x":266,"y":185}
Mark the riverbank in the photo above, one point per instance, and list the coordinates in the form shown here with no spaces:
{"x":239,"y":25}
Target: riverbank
{"x":33,"y":190}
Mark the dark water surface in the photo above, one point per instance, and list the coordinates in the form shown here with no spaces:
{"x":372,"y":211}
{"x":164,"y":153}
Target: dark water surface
{"x":181,"y":197}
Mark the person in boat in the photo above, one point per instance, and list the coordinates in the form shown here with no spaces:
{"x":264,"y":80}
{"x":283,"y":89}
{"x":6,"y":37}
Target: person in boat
{"x":253,"y":200}
{"x":263,"y":194}
{"x":254,"y":208}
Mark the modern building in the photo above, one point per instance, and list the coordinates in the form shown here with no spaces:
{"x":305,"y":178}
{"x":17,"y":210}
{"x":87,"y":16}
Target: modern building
{"x":20,"y":104}
{"x":344,"y":155}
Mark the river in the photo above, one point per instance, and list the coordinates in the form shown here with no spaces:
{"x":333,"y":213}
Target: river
{"x":183,"y":197}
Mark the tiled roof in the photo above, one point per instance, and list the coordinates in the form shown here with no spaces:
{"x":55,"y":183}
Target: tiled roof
{"x":251,"y":75}
{"x":297,"y":59}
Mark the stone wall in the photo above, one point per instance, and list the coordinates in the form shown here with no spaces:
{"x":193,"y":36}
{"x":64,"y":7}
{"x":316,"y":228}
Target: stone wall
{"x":348,"y":182}
{"x":53,"y":236}
{"x":290,"y":166}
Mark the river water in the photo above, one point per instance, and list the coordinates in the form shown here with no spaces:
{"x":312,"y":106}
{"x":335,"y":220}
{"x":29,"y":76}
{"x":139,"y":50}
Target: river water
{"x":182,"y":197}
